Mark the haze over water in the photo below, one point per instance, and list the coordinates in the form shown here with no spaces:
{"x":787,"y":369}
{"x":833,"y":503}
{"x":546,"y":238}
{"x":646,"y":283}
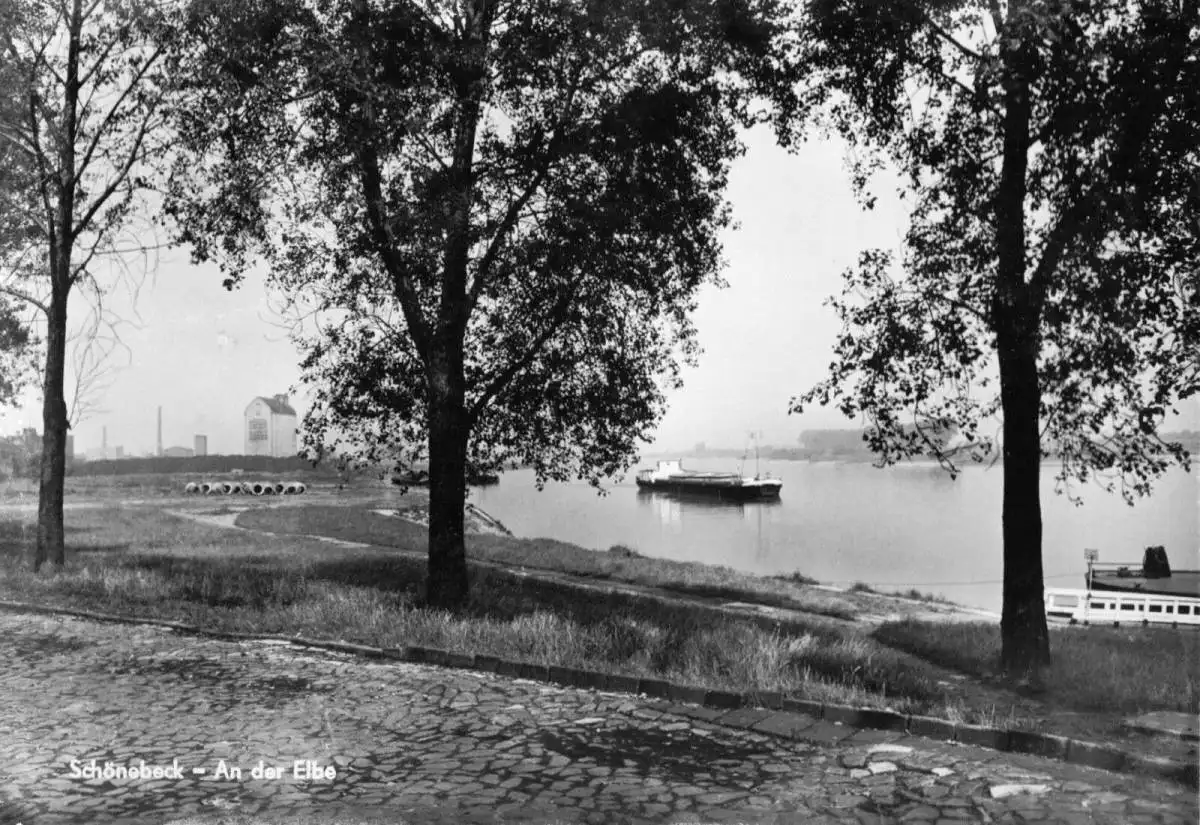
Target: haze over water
{"x":840,"y":523}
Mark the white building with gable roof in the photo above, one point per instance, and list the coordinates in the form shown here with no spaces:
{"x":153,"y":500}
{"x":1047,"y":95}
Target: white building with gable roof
{"x":270,"y":427}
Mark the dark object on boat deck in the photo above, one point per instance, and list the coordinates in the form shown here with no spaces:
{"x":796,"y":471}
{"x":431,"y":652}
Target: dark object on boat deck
{"x":1153,"y":576}
{"x":1155,"y":564}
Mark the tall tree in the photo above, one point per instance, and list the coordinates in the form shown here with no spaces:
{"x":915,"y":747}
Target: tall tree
{"x":1048,"y":149}
{"x":82,"y":113}
{"x":494,"y":215}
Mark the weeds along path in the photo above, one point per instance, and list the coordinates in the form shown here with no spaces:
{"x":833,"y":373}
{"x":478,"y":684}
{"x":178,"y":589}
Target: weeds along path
{"x":259,"y":734}
{"x":968,"y":698}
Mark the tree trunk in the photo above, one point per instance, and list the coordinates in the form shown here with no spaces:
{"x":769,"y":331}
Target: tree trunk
{"x":1016,"y":320}
{"x":54,"y":437}
{"x":61,"y":239}
{"x":1025,"y":640}
{"x":446,"y":579}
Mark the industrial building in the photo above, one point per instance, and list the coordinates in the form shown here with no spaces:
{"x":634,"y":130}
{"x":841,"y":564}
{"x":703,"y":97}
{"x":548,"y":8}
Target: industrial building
{"x":270,"y":427}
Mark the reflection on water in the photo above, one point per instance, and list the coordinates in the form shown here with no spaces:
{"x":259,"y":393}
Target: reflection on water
{"x":699,"y":502}
{"x":675,"y":510}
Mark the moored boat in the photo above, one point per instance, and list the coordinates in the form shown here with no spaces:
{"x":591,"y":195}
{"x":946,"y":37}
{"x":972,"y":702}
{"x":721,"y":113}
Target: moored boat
{"x":1118,"y":608}
{"x":670,"y":476}
{"x":1121,"y":593}
{"x":1153,"y":576}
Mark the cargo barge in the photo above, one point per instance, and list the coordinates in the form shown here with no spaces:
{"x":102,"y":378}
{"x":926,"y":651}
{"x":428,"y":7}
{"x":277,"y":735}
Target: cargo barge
{"x":671,"y":477}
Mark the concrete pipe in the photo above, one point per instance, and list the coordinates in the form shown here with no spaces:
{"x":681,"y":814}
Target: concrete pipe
{"x":192,"y":487}
{"x":205,"y":487}
{"x":215,"y":488}
{"x":268,"y":489}
{"x":280,"y":488}
{"x":301,"y":488}
{"x":226,"y":488}
{"x":293,"y":488}
{"x":256,"y":489}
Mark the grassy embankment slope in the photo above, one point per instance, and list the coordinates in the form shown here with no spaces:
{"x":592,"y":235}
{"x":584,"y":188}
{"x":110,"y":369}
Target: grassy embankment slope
{"x":146,"y":562}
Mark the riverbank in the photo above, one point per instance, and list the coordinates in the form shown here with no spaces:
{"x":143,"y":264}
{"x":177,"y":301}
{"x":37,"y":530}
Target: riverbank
{"x":610,"y":611}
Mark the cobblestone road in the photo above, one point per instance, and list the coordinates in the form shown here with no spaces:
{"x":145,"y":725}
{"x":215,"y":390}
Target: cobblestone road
{"x":360,"y":741}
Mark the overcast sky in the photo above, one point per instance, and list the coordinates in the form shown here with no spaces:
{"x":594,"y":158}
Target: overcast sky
{"x":203,"y":353}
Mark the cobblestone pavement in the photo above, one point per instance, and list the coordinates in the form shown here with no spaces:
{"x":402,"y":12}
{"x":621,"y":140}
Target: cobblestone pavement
{"x":363,"y":741}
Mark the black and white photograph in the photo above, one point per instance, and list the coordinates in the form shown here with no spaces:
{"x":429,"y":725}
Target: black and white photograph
{"x":574,"y":412}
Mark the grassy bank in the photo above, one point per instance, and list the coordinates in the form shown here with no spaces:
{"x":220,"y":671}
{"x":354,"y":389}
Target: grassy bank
{"x":140,"y":561}
{"x":146,"y":563}
{"x":352,"y":524}
{"x":1098,"y":668}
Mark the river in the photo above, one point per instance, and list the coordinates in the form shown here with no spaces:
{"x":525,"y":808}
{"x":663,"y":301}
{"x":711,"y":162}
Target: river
{"x":895,"y":528}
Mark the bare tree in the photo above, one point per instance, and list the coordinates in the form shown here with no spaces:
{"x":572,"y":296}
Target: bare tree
{"x":81,"y":115}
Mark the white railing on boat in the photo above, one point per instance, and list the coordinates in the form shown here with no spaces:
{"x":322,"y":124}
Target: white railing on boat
{"x":1118,"y":607}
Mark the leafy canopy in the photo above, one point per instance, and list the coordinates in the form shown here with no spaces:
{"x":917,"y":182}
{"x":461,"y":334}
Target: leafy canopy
{"x":329,"y":138}
{"x":1110,"y":231}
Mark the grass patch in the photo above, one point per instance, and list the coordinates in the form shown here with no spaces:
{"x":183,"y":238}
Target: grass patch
{"x":911,"y":594}
{"x":163,"y":567}
{"x":917,"y":596}
{"x":1094,"y":668}
{"x":622,"y":565}
{"x":142,"y":562}
{"x":795,"y":577}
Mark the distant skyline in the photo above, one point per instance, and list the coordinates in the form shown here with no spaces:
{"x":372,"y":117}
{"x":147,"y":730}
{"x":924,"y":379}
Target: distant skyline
{"x":203,"y":353}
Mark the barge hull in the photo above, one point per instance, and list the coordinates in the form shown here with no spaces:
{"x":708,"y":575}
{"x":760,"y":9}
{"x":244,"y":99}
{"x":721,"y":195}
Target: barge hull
{"x":729,"y":492}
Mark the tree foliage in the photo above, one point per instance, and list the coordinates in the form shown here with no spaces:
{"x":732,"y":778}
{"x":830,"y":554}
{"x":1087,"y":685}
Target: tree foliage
{"x":1049,"y":155}
{"x":492,"y":218}
{"x":80,"y":124}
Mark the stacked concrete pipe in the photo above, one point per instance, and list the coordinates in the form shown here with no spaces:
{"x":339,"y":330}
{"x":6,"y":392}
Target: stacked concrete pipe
{"x":255,"y":488}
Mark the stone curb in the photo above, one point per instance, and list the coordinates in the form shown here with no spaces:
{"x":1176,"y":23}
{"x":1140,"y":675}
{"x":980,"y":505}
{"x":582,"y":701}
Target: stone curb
{"x":763,"y":712}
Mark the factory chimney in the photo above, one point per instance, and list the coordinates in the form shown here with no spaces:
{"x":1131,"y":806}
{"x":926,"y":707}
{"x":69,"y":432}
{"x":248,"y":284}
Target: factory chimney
{"x":159,"y":453}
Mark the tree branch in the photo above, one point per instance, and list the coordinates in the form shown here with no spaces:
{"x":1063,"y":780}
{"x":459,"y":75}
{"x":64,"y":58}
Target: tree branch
{"x":44,"y":176}
{"x":1061,"y":235}
{"x":946,"y":36}
{"x":549,"y":156}
{"x":502,"y":380}
{"x":506,"y":226}
{"x":120,"y":176}
{"x":997,"y":16}
{"x":405,"y":292}
{"x":101,"y":130}
{"x":26,"y":297}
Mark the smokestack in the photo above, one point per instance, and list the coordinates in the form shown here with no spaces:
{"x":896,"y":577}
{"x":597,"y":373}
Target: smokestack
{"x":159,"y":453}
{"x":104,"y":440}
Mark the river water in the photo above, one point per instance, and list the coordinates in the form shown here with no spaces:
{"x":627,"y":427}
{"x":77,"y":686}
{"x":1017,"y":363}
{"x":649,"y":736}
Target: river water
{"x":894,"y":528}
